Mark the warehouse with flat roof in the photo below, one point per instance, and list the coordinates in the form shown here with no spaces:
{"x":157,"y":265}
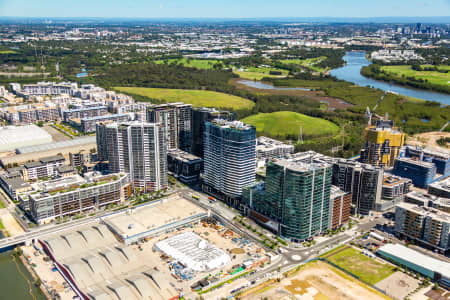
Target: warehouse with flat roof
{"x":25,"y":154}
{"x":169,"y":213}
{"x":12,"y":137}
{"x":435,"y":269}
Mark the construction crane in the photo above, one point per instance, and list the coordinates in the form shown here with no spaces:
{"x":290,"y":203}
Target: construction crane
{"x":445,"y":126}
{"x":369,"y":114}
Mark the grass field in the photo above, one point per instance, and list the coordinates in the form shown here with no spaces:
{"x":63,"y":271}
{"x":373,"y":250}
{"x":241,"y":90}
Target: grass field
{"x":194,"y":63}
{"x":259,"y":73}
{"x":286,"y":125}
{"x":309,"y":63}
{"x":366,"y":268}
{"x":433,"y":77}
{"x":197,"y":98}
{"x":7,"y":52}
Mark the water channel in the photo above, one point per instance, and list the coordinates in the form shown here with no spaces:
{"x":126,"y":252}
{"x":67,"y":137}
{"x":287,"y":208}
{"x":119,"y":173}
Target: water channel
{"x":16,"y":281}
{"x":351,"y":73}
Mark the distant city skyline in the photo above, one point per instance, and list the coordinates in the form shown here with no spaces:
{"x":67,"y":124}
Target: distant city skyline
{"x":224,"y":9}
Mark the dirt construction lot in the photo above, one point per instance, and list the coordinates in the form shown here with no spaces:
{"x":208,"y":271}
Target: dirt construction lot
{"x":398,"y":285}
{"x":427,"y":139}
{"x":317,"y":281}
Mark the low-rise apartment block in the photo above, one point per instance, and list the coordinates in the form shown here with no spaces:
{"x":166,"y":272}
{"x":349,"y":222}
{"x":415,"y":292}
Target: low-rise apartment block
{"x":270,"y":148}
{"x":427,"y":200}
{"x":185,"y":166}
{"x":74,"y":194}
{"x":421,"y":173}
{"x":393,"y":191}
{"x":44,"y":168}
{"x":427,"y":226}
{"x":13,"y":185}
{"x":440,"y":188}
{"x":86,"y":112}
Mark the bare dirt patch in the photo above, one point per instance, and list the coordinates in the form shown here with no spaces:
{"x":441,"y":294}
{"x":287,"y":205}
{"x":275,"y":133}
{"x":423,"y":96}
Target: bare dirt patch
{"x":398,"y":285}
{"x":427,"y":139}
{"x":317,"y":281}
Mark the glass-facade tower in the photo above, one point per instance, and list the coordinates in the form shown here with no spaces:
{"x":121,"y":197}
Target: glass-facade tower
{"x":229,"y":156}
{"x":298,"y":196}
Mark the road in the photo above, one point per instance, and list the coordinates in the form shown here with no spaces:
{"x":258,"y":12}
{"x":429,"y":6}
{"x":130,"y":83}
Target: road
{"x":289,"y":257}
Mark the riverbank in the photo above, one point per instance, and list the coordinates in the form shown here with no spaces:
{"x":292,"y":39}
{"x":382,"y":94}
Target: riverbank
{"x":16,"y":282}
{"x":405,"y":77}
{"x":351,"y":72}
{"x":333,"y":103}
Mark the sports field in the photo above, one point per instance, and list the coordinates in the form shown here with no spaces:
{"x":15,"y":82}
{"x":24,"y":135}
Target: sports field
{"x":258,"y":73}
{"x":310,"y":63}
{"x":367,"y":269}
{"x":286,"y":125}
{"x":433,"y":77}
{"x":194,"y":63}
{"x":197,"y":98}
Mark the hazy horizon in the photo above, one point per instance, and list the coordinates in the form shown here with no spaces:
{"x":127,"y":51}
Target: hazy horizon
{"x":231,"y":9}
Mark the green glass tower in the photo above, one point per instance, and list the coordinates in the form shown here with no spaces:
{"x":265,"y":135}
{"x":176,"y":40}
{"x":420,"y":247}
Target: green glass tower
{"x":298,"y":196}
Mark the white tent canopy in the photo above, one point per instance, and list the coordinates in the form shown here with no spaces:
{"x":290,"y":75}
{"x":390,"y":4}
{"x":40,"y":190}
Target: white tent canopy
{"x":194,"y":252}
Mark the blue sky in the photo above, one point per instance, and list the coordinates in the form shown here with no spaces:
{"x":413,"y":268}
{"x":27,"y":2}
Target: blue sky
{"x":223,"y":8}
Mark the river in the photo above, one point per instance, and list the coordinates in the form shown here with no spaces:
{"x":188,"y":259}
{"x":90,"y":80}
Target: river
{"x":351,"y":72}
{"x":264,"y":86}
{"x":13,"y":285}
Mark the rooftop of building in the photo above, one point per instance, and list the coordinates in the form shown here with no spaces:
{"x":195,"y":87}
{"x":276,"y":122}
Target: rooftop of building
{"x":17,"y":134}
{"x":442,"y":185}
{"x":71,"y":183}
{"x":425,"y":261}
{"x":15,"y":182}
{"x":43,"y":160}
{"x":32,"y":164}
{"x":136,"y":123}
{"x":431,"y":151}
{"x":385,"y":125}
{"x":104,"y":117}
{"x":182,"y":155}
{"x":211,"y":110}
{"x":264,"y":142}
{"x":422,"y":196}
{"x":170,"y":105}
{"x":238,"y":125}
{"x":50,"y":159}
{"x":57,"y":145}
{"x":65,"y":169}
{"x":416,"y":162}
{"x":104,"y":268}
{"x":426,"y":211}
{"x":336,"y":192}
{"x":391,"y":180}
{"x":51,"y":83}
{"x":299,"y":166}
{"x":86,"y":108}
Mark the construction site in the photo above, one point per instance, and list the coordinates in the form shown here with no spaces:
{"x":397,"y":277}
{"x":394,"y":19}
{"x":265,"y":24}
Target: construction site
{"x":163,"y":250}
{"x":315,"y":280}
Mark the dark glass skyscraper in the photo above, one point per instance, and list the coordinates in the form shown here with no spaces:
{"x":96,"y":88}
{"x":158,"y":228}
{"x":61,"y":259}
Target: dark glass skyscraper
{"x":199,"y":117}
